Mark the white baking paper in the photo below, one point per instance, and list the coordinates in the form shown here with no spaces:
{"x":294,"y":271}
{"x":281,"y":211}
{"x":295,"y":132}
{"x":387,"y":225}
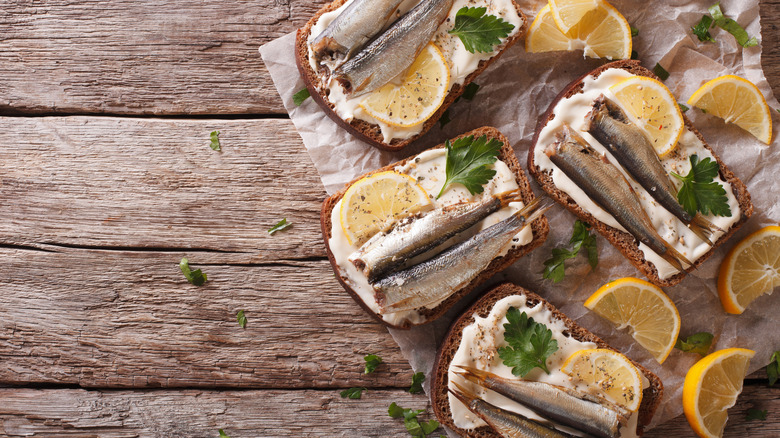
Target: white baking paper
{"x":518,"y":88}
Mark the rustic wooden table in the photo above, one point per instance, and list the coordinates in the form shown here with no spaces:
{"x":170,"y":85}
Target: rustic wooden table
{"x":107,"y":181}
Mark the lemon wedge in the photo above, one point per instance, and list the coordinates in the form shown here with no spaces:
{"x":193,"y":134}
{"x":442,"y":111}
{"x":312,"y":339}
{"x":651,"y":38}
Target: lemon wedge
{"x":611,"y":373}
{"x":602,"y":33}
{"x":567,"y":13}
{"x":751,"y":269}
{"x":375,"y":202}
{"x":650,"y":315}
{"x":737,"y":101}
{"x":711,"y":387}
{"x":417,"y":97}
{"x":651,"y":106}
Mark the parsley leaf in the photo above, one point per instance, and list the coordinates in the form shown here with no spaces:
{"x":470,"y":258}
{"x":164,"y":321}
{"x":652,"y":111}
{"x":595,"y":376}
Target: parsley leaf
{"x":701,"y":30}
{"x":417,"y":381}
{"x":282,"y":224}
{"x":470,"y":91}
{"x":353,"y":393}
{"x":699,"y":192}
{"x":683,"y":108}
{"x":196,"y":277}
{"x":580,"y":238}
{"x":660,"y":72}
{"x":731,"y":27}
{"x":773,"y":369}
{"x":468,"y":162}
{"x":530,"y":343}
{"x":698,"y":343}
{"x":479,"y":32}
{"x":301,"y":96}
{"x":241,"y":319}
{"x":755,"y":414}
{"x":215,"y":141}
{"x":411,"y":422}
{"x":372,"y":361}
{"x":445,"y":118}
{"x":634,"y":31}
{"x":222,"y":434}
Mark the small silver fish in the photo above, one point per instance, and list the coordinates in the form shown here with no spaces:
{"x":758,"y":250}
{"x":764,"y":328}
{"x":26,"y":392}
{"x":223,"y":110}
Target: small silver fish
{"x":608,"y":124}
{"x":385,"y":252}
{"x":584,"y":412}
{"x":393,"y":51}
{"x":437,"y":278}
{"x":507,"y":424}
{"x":354,"y":26}
{"x":606,"y":185}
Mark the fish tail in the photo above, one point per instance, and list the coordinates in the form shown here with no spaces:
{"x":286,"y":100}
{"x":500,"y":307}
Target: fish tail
{"x":674,"y":257}
{"x":703,"y":228}
{"x":462,"y":394}
{"x":535,"y":208}
{"x":509,"y":196}
{"x":473,"y":375}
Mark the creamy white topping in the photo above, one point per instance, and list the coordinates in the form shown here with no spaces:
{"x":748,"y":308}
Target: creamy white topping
{"x":572,"y":111}
{"x":460,"y":62}
{"x":478,"y":349}
{"x":428,"y":169}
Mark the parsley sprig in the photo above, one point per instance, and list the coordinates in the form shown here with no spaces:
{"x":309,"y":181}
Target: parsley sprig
{"x":468,"y":162}
{"x":699,"y":192}
{"x":530,"y":343}
{"x":414,"y":426}
{"x":479,"y":32}
{"x":698,"y":343}
{"x":580,"y":238}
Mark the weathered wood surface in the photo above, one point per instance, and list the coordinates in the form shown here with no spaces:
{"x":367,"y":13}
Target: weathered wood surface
{"x":173,"y":57}
{"x":271,"y":413}
{"x":151,"y":183}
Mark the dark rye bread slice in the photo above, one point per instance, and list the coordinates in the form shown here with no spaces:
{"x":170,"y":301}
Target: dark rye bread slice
{"x":621,"y":240}
{"x":539,"y":228}
{"x":651,"y":396}
{"x":367,"y":132}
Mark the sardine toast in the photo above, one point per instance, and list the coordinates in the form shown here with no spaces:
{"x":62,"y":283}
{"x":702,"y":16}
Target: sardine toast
{"x":364,"y":127}
{"x":482,"y":357}
{"x":570,"y":176}
{"x":381,"y":291}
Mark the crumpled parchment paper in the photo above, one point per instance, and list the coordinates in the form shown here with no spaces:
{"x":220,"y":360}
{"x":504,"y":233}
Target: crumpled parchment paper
{"x":518,"y":88}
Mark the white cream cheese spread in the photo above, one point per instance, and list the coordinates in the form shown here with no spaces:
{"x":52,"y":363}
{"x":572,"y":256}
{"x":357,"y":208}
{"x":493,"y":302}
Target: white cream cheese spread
{"x":479,"y":349}
{"x":459,"y":60}
{"x":428,"y":169}
{"x":572,"y":111}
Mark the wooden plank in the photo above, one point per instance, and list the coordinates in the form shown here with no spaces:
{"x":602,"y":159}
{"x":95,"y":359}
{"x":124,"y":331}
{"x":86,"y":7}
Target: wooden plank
{"x":129,"y":319}
{"x":153,"y":183}
{"x":142,"y":57}
{"x":177,"y":57}
{"x":268,"y":413}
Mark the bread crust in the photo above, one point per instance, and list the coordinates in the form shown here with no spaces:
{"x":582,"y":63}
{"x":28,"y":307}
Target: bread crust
{"x":623,"y":241}
{"x":539,"y":228}
{"x":651,"y":396}
{"x":371,"y":133}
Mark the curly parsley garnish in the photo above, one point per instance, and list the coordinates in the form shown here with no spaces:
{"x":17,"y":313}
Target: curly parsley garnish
{"x":580,"y":238}
{"x":698,"y":343}
{"x":479,"y":32}
{"x":468,"y":162}
{"x":699,"y":192}
{"x":196,"y":277}
{"x":530,"y":343}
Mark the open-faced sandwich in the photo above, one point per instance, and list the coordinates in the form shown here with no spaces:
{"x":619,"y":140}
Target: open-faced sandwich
{"x":513,"y":365}
{"x":615,"y":150}
{"x":409,"y":240}
{"x":386,"y":70}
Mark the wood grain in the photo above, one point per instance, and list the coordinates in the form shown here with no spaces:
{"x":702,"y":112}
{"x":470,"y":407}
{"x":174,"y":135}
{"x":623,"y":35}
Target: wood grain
{"x":152,"y":183}
{"x":267,"y":413}
{"x":130,"y":319}
{"x":173,"y":57}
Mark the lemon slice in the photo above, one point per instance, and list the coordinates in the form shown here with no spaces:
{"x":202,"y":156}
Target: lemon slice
{"x":751,"y":269}
{"x":601,"y":33}
{"x":650,"y":105}
{"x":644,"y":308}
{"x":611,"y":373}
{"x":418,"y":97}
{"x":568,"y":13}
{"x":737,"y":101}
{"x":376,"y":201}
{"x":711,"y":387}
